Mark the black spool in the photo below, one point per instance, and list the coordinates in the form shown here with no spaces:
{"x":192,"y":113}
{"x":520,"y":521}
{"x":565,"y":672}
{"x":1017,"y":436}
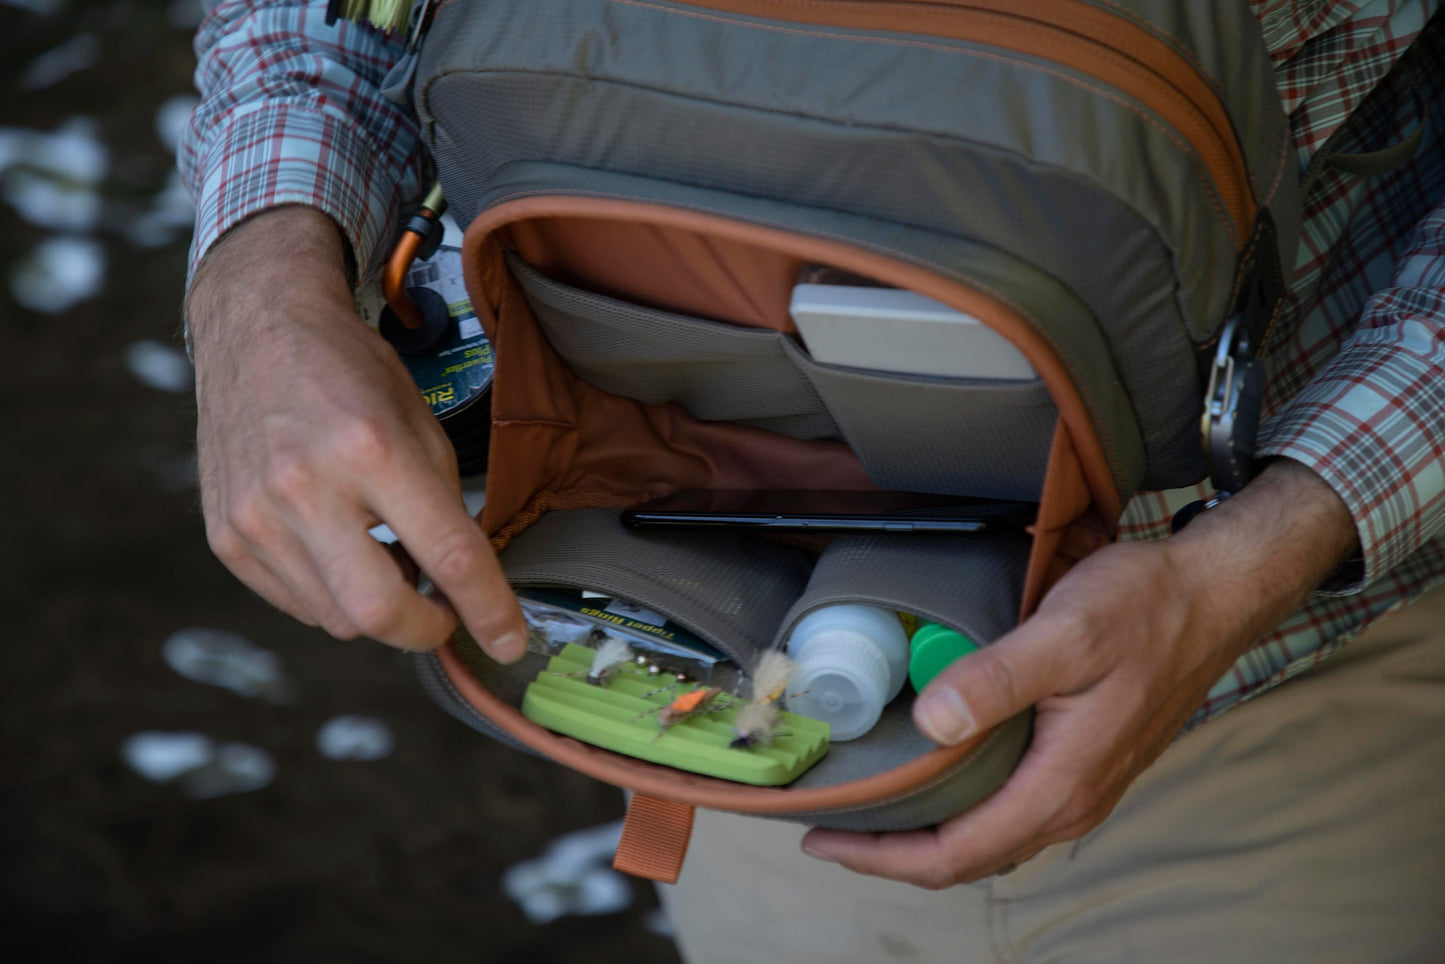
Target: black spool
{"x":417,"y":341}
{"x":469,"y":429}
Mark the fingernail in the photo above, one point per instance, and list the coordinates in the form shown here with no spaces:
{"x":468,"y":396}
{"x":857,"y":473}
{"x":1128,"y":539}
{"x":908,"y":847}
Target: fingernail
{"x":943,"y":716}
{"x":508,"y":648}
{"x":816,"y":854}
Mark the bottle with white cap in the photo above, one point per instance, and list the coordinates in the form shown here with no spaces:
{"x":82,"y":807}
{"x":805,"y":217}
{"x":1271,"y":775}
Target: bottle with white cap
{"x":852,"y":661}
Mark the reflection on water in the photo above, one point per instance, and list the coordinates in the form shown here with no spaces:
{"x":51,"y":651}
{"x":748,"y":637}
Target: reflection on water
{"x":58,"y":274}
{"x":80,"y":52}
{"x":353,"y":737}
{"x":203,"y":768}
{"x":572,"y":877}
{"x":159,"y":366}
{"x":227,"y":660}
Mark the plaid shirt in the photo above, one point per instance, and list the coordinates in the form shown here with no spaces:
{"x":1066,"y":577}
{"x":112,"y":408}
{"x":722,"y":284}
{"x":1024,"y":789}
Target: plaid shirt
{"x":291,"y":114}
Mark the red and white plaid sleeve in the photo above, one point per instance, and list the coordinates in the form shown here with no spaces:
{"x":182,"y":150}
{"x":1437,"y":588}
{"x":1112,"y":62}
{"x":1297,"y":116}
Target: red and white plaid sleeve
{"x":291,"y":114}
{"x":1372,"y":422}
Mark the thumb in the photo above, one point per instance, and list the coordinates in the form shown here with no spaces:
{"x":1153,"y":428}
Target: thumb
{"x":987,"y":687}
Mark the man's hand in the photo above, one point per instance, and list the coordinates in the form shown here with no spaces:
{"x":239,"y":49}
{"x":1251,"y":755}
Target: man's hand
{"x":1119,"y":655}
{"x":310,"y":433}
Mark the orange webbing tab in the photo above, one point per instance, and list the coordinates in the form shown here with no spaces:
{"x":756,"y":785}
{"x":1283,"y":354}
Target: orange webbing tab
{"x":654,"y":839}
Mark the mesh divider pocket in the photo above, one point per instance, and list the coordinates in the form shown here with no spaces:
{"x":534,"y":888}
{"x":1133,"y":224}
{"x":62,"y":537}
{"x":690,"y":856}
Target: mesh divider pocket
{"x":953,"y":436}
{"x":732,"y":590}
{"x":716,"y":371}
{"x":969,"y":583}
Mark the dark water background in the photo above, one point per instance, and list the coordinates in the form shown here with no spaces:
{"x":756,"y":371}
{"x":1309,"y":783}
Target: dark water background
{"x":104,"y":557}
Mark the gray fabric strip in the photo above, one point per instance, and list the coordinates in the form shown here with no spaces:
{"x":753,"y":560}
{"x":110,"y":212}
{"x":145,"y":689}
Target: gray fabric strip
{"x":732,"y":590}
{"x":716,"y":371}
{"x":949,"y":435}
{"x":969,"y":583}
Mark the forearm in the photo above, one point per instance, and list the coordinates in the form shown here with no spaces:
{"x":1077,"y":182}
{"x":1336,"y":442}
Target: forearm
{"x":1252,"y":560}
{"x":292,"y":252}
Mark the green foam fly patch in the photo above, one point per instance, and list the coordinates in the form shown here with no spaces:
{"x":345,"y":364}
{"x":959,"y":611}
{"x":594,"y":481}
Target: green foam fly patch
{"x":623,"y":715}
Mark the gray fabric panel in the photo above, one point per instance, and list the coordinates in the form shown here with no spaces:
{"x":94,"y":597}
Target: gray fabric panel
{"x":970,"y":583}
{"x":716,"y":371}
{"x":634,"y":88}
{"x":1224,"y":41}
{"x":960,"y":788}
{"x":1101,"y":251}
{"x":1156,"y":286}
{"x":954,"y":436}
{"x":730,"y":589}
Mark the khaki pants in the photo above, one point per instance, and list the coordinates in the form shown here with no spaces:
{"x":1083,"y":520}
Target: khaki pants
{"x":1305,"y":825}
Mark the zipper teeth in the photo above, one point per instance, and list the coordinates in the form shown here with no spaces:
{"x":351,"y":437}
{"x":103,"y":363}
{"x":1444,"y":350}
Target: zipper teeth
{"x":1089,"y":40}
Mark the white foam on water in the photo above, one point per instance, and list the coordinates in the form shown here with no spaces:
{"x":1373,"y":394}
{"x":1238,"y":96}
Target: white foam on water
{"x":71,"y":152}
{"x":80,"y":52}
{"x":571,"y":877}
{"x":160,"y":366}
{"x":204,"y":768}
{"x":52,"y":203}
{"x":160,"y":756}
{"x":60,"y":273}
{"x":228,"y":660}
{"x":234,"y":768}
{"x":352,"y":737}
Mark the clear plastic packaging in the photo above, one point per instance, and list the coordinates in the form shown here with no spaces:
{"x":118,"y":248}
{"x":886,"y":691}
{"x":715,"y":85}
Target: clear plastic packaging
{"x":558,"y":617}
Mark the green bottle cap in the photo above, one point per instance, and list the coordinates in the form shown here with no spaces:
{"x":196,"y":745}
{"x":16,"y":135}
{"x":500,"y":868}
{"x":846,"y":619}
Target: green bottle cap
{"x":933,"y":648}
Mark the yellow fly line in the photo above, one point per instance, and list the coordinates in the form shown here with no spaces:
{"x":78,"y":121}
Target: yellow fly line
{"x":387,"y":15}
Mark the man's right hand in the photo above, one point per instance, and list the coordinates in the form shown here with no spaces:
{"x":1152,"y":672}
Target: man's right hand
{"x":311,"y":431}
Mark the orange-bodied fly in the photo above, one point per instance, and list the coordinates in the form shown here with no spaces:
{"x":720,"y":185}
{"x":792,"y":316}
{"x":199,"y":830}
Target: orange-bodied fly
{"x":685,"y":706}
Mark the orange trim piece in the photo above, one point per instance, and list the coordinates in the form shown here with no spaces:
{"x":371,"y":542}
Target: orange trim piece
{"x":655,"y":835}
{"x":1074,"y":34}
{"x":393,"y":282}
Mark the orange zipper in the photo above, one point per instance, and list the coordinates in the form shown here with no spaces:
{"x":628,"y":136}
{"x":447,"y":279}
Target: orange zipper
{"x":1105,"y":46}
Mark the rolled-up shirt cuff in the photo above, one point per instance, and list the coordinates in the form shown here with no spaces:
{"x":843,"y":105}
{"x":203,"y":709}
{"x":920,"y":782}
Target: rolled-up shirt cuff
{"x":275,"y":155}
{"x":1370,"y":425}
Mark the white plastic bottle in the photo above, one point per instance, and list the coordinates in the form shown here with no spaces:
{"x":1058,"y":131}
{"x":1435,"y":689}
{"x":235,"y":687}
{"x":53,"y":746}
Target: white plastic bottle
{"x":852,"y":661}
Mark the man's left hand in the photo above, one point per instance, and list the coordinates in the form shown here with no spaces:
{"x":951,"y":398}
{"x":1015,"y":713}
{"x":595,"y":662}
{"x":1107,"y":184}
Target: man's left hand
{"x":1120,"y":653}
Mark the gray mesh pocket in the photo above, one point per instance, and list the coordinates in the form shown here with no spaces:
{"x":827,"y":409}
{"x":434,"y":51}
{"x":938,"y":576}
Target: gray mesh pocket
{"x":730,"y":589}
{"x":716,"y":371}
{"x":970,"y":583}
{"x":953,"y":436}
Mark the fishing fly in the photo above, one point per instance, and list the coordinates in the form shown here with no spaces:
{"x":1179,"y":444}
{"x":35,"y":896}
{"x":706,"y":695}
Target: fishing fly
{"x":685,"y":706}
{"x":607,"y":660}
{"x":757,"y":723}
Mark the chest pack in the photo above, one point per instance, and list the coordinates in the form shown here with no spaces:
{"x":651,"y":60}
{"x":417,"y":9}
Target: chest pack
{"x":1109,"y":185}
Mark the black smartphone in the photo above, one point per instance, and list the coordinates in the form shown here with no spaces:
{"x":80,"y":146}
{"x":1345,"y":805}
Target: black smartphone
{"x":798,"y":510}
